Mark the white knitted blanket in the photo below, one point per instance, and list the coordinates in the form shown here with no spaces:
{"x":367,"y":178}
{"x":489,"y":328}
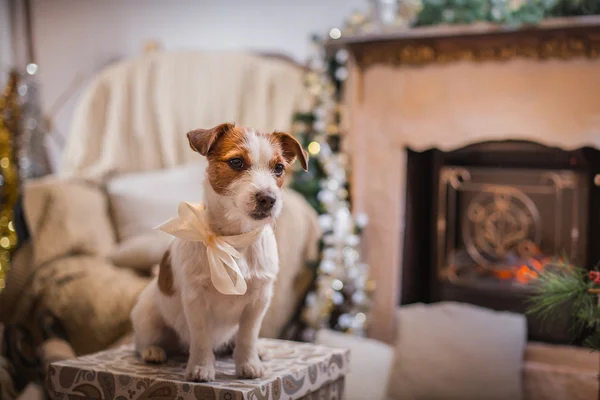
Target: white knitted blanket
{"x":134,"y":115}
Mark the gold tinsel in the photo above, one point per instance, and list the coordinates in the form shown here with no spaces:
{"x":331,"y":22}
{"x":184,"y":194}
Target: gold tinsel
{"x":9,"y":190}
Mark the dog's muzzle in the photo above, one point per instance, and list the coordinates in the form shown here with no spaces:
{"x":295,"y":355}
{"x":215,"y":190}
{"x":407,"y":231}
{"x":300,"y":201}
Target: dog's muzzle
{"x":264,"y":205}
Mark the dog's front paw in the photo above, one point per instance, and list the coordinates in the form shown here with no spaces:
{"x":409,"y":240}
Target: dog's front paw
{"x":250,"y":370}
{"x":154,"y":355}
{"x":200,"y":373}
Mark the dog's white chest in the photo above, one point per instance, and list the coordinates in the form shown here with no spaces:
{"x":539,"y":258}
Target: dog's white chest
{"x":260,"y":260}
{"x":259,"y":265}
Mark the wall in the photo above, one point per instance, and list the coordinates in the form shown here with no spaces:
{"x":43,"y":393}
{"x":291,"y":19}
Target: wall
{"x":5,"y":39}
{"x":75,"y":39}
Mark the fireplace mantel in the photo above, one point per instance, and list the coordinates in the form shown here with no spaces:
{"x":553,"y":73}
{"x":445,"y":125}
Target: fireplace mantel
{"x":553,"y":38}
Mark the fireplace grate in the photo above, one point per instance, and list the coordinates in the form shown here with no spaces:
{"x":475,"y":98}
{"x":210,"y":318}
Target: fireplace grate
{"x":501,"y":227}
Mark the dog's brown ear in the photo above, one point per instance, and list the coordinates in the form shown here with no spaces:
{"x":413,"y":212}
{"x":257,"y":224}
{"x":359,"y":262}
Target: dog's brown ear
{"x":201,"y":140}
{"x":291,"y":149}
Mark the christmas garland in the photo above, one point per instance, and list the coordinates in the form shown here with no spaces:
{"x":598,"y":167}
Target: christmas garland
{"x":507,"y":12}
{"x":390,"y":15}
{"x":22,"y":153}
{"x":573,"y":288}
{"x":10,"y":116}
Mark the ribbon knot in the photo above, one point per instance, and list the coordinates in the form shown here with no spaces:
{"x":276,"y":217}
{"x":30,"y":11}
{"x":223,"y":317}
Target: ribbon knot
{"x":192,"y":224}
{"x":209,"y":239}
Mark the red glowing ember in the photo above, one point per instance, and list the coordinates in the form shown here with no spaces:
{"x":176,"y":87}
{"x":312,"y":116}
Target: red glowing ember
{"x":526,"y":272}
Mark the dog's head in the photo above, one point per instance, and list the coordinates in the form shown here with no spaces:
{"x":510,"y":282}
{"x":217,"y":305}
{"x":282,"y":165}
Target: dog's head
{"x":246,"y":169}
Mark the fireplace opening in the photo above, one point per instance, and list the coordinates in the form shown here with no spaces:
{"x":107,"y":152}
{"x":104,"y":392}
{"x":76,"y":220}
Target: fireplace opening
{"x":482,"y":222}
{"x":500,"y":227}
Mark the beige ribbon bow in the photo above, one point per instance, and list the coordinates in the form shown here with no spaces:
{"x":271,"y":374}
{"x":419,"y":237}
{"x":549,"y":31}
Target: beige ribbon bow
{"x":192,"y":225}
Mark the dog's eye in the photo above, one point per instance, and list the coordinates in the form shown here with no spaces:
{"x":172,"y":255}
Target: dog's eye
{"x":278,"y":170}
{"x":236,"y":163}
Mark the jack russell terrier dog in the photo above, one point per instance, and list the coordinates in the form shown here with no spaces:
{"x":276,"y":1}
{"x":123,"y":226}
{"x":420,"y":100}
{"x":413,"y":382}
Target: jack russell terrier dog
{"x":213,"y":289}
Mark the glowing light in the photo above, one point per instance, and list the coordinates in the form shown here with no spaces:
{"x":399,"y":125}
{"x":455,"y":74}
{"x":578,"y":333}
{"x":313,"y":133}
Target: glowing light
{"x":359,"y":297}
{"x":11,"y":227}
{"x":370,"y":286}
{"x":504,"y":274}
{"x":341,"y":56}
{"x":360,"y":318}
{"x":314,"y":148}
{"x":327,"y":266}
{"x":537,"y":265}
{"x":336,"y":284}
{"x":5,"y":242}
{"x":335,"y":33}
{"x":362,"y":220}
{"x":338,"y":298}
{"x":345,"y":320}
{"x":31,"y":69}
{"x":325,"y":221}
{"x":341,"y":74}
{"x":4,"y":162}
{"x":524,"y":274}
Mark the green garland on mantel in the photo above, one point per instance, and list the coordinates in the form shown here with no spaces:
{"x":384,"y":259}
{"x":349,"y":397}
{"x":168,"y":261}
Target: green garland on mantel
{"x":506,"y":12}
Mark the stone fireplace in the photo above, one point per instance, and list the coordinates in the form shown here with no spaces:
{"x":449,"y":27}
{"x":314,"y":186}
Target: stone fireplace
{"x":483,"y":221}
{"x":442,"y":106}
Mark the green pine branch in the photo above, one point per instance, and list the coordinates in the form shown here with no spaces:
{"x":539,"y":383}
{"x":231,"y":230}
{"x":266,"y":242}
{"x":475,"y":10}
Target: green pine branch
{"x":564,"y":286}
{"x":559,"y":286}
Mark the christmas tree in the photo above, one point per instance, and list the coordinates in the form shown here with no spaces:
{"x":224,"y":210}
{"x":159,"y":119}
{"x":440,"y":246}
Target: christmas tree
{"x":340,"y":294}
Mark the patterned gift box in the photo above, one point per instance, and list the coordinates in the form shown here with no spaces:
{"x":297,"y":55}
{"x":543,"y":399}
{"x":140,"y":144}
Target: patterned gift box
{"x":295,"y":371}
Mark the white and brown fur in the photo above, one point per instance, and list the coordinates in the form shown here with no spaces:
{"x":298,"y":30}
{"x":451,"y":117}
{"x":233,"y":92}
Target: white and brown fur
{"x":180,"y":310}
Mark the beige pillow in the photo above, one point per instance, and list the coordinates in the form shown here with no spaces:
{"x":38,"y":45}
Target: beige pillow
{"x":141,"y":201}
{"x":141,"y":252}
{"x":67,"y":217}
{"x":454,"y":351}
{"x":91,"y":298}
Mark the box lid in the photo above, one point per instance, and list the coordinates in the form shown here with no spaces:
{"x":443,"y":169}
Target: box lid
{"x":295,"y":369}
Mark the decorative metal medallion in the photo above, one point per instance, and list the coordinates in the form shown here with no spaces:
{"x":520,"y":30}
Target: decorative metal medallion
{"x":498,"y":220}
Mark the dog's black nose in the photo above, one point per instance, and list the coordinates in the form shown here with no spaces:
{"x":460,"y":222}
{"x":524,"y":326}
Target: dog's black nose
{"x":265,"y":201}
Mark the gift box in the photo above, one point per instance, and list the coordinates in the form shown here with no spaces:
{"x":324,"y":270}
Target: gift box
{"x":295,"y":371}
